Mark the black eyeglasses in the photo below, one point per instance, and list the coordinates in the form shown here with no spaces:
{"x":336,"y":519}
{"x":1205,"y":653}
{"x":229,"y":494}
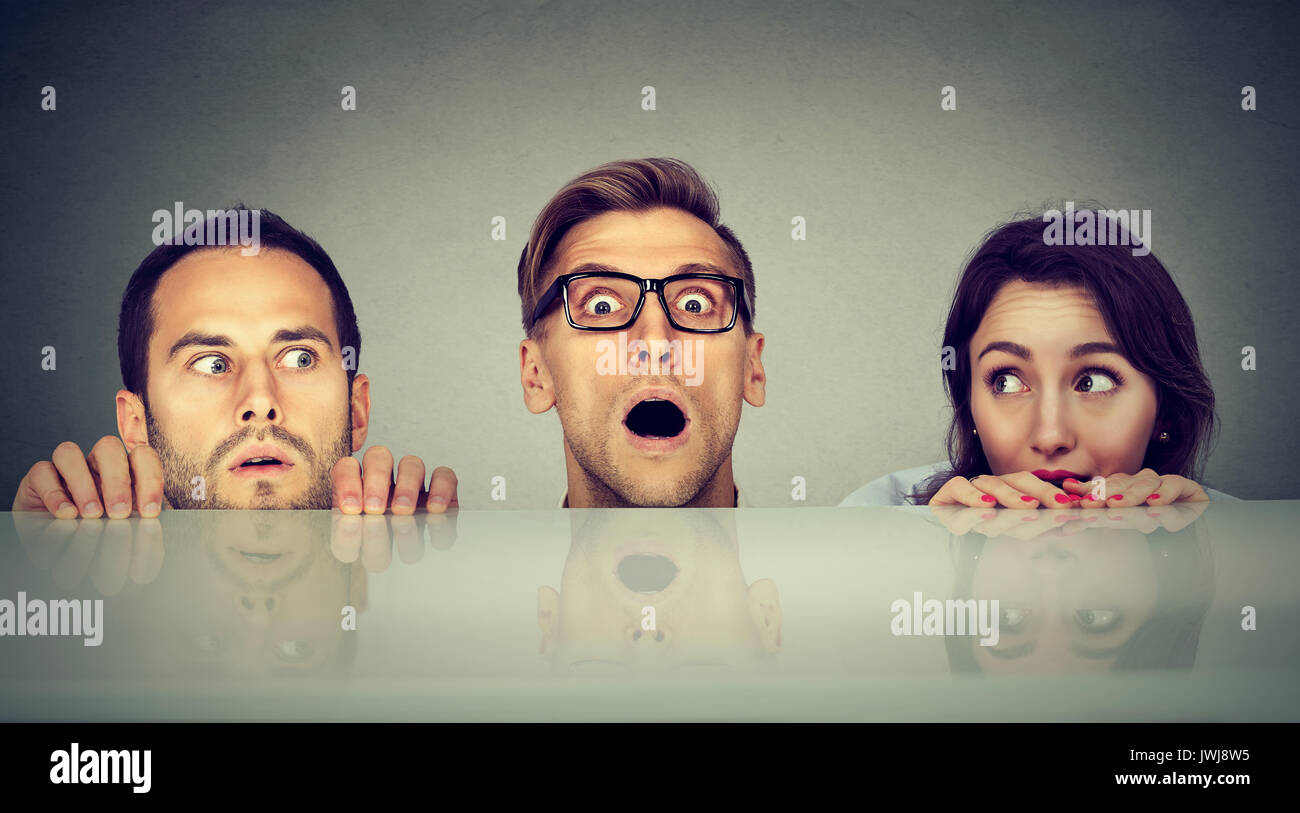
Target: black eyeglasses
{"x":610,"y":300}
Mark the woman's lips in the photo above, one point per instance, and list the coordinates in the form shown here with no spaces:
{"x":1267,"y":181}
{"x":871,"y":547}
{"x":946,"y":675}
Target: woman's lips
{"x":1058,"y":475}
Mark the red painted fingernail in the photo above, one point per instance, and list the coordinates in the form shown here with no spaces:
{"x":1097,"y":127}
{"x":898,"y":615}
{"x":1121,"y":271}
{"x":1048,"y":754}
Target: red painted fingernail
{"x":1094,"y":499}
{"x":1071,"y":480}
{"x":1075,"y":498}
{"x":1118,"y":497}
{"x":989,"y":498}
{"x":1061,"y":498}
{"x":1154,"y":497}
{"x":1026,"y":498}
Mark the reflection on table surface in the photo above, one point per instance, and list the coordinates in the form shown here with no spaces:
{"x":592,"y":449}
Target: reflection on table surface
{"x":1176,"y":612}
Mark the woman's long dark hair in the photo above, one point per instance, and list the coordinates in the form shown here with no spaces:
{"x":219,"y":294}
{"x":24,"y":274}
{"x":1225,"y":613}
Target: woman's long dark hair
{"x":1143,"y":310}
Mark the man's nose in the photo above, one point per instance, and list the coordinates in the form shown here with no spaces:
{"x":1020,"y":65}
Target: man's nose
{"x":653,"y":328}
{"x":257,"y":606}
{"x":644,"y":637}
{"x":259,"y":401}
{"x":652,"y":321}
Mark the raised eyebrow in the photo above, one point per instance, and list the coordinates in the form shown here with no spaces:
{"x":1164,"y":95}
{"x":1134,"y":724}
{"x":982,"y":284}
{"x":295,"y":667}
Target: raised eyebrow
{"x":702,"y":268}
{"x":196,"y":339}
{"x":1007,"y":347}
{"x":306,"y":332}
{"x":1088,"y":348}
{"x":594,"y":268}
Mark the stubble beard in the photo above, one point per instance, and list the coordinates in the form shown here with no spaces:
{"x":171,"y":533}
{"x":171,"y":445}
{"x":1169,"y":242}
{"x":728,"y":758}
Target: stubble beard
{"x":588,"y":438}
{"x":179,"y":470}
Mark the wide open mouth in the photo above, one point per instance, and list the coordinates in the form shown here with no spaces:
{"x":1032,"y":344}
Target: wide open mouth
{"x":656,"y":418}
{"x":646,"y":573}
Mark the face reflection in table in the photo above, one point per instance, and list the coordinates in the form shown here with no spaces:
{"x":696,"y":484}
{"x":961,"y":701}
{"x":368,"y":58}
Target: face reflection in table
{"x":649,"y":589}
{"x":467,"y":603}
{"x":1084,"y":591}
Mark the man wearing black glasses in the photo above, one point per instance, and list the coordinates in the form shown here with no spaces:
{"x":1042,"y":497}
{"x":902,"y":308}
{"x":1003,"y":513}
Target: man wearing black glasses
{"x":632,"y":293}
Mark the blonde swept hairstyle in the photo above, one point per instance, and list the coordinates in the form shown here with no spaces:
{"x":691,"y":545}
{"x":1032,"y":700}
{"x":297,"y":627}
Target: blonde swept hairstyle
{"x":622,"y":186}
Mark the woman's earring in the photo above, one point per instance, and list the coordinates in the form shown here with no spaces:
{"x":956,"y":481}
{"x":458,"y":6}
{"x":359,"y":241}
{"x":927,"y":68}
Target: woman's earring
{"x":975,"y":432}
{"x":1164,"y":437}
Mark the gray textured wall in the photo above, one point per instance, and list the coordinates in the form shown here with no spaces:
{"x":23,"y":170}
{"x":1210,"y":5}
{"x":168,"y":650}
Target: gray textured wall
{"x":825,"y":110}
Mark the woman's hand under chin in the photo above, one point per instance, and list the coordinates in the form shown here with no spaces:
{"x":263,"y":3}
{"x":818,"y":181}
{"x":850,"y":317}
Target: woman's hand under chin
{"x":1136,"y":489}
{"x":1021,"y":489}
{"x":1024,"y":490}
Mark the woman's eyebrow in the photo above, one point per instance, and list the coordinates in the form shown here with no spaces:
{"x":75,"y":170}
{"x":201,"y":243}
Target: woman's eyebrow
{"x":1088,"y":348}
{"x":1006,"y":347}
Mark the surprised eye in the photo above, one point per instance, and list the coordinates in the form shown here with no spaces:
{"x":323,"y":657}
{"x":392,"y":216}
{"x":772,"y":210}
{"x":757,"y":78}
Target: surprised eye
{"x":295,"y":649}
{"x":602,"y":305}
{"x":1097,"y":620}
{"x":299,"y":358}
{"x":1096,"y":381}
{"x":1012,"y":618}
{"x":695,"y":303}
{"x":211,"y":365}
{"x":1007,"y":383}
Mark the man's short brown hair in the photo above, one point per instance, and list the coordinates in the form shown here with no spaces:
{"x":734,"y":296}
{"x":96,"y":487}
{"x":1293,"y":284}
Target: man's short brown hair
{"x":622,"y":186}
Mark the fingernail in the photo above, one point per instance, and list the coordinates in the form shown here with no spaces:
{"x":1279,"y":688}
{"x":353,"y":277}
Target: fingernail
{"x":63,"y":507}
{"x":350,"y":502}
{"x":1118,"y":497}
{"x":1026,"y":498}
{"x":1154,"y":497}
{"x":404,"y":502}
{"x":1061,"y":498}
{"x":1094,"y":499}
{"x":989,"y":498}
{"x":119,"y":509}
{"x":438,"y":500}
{"x":151,"y":508}
{"x":92,"y":507}
{"x":1075,"y":498}
{"x":373,"y":504}
{"x":1070,"y":480}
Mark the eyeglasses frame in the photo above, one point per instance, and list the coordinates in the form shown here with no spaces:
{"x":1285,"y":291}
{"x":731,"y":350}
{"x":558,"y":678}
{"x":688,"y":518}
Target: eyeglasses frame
{"x":560,"y":289}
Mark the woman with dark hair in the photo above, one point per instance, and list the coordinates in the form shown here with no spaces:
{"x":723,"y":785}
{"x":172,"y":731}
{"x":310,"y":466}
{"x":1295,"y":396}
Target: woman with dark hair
{"x":1065,"y":363}
{"x":1101,"y":599}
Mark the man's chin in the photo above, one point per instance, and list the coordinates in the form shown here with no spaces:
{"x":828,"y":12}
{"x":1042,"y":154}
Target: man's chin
{"x":273,"y":496}
{"x":258,"y":495}
{"x":659,"y":486}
